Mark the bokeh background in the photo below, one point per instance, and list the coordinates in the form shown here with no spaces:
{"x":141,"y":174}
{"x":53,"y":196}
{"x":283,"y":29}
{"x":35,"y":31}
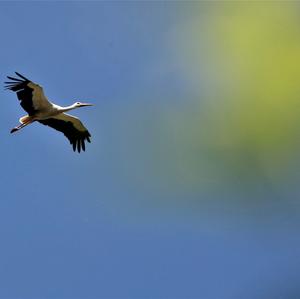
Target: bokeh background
{"x":190,"y":187}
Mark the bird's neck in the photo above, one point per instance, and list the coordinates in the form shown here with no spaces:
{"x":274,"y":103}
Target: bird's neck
{"x":67,"y":108}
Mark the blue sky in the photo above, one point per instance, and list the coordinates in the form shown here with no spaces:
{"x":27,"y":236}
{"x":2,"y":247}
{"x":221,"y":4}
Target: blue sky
{"x":145,"y":212}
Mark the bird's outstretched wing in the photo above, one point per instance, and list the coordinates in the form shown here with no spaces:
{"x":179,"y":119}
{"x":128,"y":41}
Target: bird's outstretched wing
{"x":31,"y":95}
{"x":72,"y":128}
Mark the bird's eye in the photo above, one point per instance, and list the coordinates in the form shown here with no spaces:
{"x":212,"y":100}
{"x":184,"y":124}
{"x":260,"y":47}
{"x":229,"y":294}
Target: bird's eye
{"x":78,"y":103}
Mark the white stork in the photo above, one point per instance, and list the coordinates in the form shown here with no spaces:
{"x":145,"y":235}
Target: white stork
{"x":35,"y":103}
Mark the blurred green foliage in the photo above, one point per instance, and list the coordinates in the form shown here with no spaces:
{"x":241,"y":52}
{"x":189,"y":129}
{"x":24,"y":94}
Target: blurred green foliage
{"x":245,"y":123}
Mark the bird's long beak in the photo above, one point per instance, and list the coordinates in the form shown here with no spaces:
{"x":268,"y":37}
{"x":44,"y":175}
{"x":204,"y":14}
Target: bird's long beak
{"x":86,"y":104}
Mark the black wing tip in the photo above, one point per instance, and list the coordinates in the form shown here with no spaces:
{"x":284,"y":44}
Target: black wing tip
{"x":87,"y":137}
{"x":79,"y":144}
{"x":14,"y":79}
{"x":15,"y":84}
{"x":21,"y":76}
{"x":73,"y":145}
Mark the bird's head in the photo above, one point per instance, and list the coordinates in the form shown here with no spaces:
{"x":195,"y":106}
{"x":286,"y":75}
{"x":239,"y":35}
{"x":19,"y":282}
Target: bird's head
{"x":79,"y":104}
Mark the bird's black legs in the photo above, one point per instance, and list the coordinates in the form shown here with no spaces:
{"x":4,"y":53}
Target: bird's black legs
{"x":15,"y":129}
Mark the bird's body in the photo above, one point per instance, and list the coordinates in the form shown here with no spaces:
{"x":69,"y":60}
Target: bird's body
{"x":35,"y":103}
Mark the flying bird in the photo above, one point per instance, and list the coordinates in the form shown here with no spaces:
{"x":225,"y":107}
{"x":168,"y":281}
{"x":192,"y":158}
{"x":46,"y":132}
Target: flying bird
{"x":35,"y":103}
